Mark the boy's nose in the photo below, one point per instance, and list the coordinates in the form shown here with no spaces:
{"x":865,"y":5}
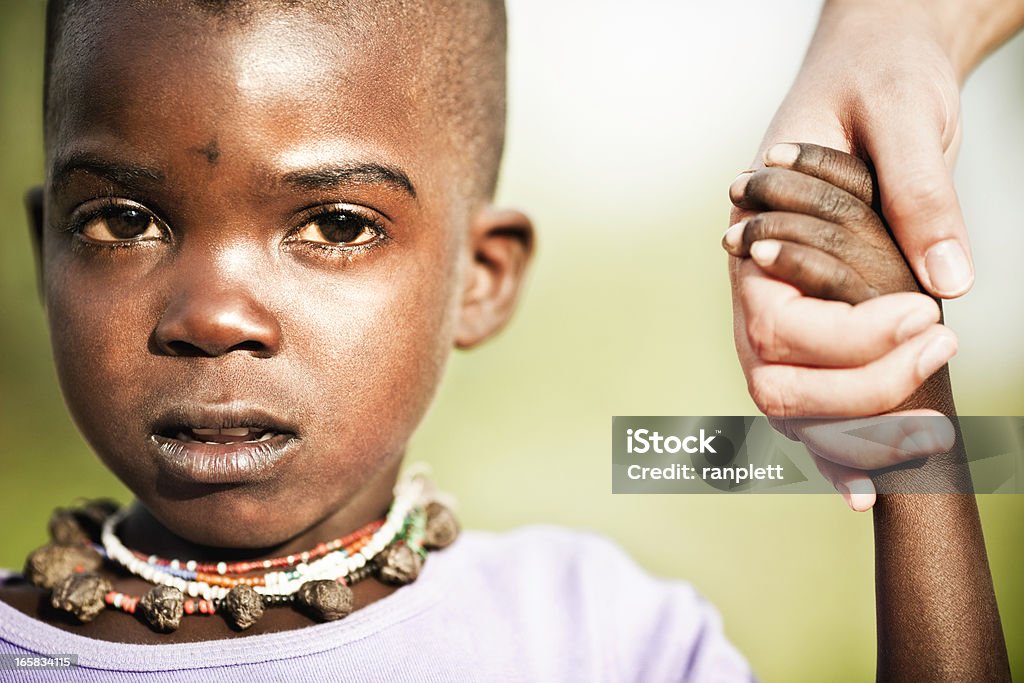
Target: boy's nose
{"x":214,"y":323}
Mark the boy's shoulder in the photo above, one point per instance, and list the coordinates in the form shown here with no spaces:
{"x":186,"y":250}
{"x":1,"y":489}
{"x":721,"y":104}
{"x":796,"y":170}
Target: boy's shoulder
{"x":554,"y":559}
{"x":574,"y":594}
{"x":539,"y":542}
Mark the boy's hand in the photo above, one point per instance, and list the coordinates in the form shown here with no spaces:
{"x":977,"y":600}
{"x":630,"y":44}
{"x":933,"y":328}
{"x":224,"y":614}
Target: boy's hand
{"x":817,"y":230}
{"x":818,"y":234}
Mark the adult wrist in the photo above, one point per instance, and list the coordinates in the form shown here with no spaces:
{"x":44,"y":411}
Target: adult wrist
{"x":966,"y":31}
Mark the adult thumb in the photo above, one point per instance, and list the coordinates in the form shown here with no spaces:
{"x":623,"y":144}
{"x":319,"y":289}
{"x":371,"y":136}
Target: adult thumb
{"x":920,"y":204}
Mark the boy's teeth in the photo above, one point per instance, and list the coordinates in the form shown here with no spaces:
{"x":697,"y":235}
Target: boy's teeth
{"x":226,"y":431}
{"x":210,"y":435}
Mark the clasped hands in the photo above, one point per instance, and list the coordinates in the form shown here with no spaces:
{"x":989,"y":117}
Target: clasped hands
{"x":830,"y":321}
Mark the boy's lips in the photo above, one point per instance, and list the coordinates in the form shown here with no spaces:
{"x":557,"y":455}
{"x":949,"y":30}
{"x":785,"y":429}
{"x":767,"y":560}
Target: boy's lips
{"x":221,"y":444}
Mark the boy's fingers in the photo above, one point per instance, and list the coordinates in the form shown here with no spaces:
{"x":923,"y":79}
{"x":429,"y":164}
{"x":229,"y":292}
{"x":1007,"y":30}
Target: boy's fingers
{"x":780,"y":189}
{"x":794,"y":227}
{"x":920,"y":204}
{"x":854,"y":486}
{"x":784,"y":326}
{"x":868,"y":251}
{"x":812,"y":271}
{"x":877,"y":387}
{"x":839,"y":168}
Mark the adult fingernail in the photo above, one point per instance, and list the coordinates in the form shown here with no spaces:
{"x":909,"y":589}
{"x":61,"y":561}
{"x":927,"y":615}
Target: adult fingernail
{"x":936,"y":353}
{"x":739,"y":185}
{"x":862,"y":494}
{"x":948,"y":268}
{"x":764,"y":252}
{"x":914,"y":324}
{"x":733,"y":237}
{"x":782,"y":154}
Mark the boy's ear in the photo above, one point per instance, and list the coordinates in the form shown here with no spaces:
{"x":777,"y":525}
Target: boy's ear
{"x":34,"y":208}
{"x":501,"y":244}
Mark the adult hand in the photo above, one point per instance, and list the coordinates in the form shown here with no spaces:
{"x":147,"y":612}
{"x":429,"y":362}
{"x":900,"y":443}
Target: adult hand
{"x":887,"y":91}
{"x":881,"y":81}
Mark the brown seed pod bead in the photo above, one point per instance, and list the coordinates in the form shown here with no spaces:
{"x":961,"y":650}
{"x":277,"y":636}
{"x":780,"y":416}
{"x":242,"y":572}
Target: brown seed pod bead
{"x":162,"y":607}
{"x":51,"y":564}
{"x":325,"y":600}
{"x":81,"y":595}
{"x":442,"y":527}
{"x":399,"y":564}
{"x":96,"y":511}
{"x":65,"y":529}
{"x":244,"y":606}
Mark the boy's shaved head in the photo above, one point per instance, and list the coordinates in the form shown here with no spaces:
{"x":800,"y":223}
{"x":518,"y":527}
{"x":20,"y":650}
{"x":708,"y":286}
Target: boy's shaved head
{"x":461,"y":44}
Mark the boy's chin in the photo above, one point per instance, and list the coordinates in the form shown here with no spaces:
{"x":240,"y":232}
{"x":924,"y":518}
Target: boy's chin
{"x":231,"y":518}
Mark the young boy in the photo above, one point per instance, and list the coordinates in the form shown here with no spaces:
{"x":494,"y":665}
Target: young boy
{"x":264,"y":225}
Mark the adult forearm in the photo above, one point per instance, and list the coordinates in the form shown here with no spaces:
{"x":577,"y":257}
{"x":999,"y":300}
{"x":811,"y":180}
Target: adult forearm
{"x":967,"y":30}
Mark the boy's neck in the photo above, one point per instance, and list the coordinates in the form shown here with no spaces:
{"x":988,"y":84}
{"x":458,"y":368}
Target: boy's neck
{"x":143,"y":532}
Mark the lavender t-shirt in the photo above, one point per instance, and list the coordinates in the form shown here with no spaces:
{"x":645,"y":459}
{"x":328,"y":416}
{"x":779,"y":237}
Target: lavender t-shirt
{"x":536,"y":604}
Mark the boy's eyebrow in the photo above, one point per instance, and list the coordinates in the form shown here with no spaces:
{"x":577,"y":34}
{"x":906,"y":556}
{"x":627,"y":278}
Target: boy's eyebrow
{"x":123,"y":174}
{"x":324,"y":177}
{"x":327,"y":177}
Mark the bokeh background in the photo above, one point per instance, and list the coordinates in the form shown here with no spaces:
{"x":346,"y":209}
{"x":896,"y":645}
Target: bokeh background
{"x":625,"y":129}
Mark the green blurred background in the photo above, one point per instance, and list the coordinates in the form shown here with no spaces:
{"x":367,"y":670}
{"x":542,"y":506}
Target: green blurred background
{"x":624,"y":131}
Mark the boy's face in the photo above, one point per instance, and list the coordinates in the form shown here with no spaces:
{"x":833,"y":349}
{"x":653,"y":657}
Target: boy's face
{"x":256,"y":225}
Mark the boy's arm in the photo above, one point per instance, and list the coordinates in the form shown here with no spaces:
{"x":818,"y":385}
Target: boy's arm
{"x":937,"y":615}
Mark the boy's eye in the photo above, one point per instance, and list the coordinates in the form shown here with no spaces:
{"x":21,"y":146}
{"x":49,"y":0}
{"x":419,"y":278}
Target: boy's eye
{"x":339,"y":228}
{"x":121,"y":224}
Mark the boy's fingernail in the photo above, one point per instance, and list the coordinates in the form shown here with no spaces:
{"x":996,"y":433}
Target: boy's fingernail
{"x":782,"y":154}
{"x":913,"y":325}
{"x":936,"y":353}
{"x":764,"y":252}
{"x":739,"y":185}
{"x":733,"y":237}
{"x":948,"y":268}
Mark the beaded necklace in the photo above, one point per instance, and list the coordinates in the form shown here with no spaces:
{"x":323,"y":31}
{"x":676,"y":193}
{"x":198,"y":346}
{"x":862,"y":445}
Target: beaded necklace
{"x":201,"y":570}
{"x":317,"y":581}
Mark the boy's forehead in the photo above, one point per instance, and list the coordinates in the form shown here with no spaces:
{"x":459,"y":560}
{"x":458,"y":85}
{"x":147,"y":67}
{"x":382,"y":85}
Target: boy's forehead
{"x":278,"y":86}
{"x":278,"y":51}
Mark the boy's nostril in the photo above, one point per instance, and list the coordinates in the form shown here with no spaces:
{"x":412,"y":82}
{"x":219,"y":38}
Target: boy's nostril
{"x":181,"y":348}
{"x":254,"y":346}
{"x":187,"y":349}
